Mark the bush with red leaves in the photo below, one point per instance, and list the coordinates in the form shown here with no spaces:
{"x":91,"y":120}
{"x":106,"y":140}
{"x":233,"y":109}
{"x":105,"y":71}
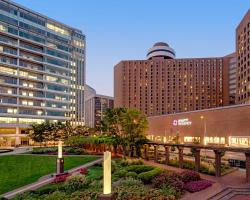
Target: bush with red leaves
{"x":61,"y":178}
{"x":188,"y":176}
{"x":170,"y":178}
{"x":84,"y":171}
{"x":195,"y":186}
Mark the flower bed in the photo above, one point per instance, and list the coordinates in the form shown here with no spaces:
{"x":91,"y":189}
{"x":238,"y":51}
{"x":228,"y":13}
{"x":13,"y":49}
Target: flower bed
{"x":195,"y":186}
{"x":131,"y":180}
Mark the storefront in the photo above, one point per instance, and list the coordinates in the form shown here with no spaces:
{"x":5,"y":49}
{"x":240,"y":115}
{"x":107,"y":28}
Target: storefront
{"x":226,"y":126}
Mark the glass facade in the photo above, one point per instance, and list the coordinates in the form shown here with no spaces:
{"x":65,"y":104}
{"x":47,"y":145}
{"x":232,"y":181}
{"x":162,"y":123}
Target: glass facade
{"x":42,"y":69}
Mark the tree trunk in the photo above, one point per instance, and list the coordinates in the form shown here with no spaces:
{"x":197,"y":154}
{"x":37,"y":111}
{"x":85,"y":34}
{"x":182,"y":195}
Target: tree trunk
{"x":138,"y":151}
{"x":124,"y":151}
{"x":131,"y":151}
{"x":115,"y":149}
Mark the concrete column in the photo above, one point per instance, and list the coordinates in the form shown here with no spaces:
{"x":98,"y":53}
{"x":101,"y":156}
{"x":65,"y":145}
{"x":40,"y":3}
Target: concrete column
{"x":156,"y":153}
{"x":18,"y":138}
{"x":166,"y":155}
{"x":180,"y":149}
{"x":217,"y":163}
{"x":197,"y":159}
{"x":146,"y":152}
{"x":247,"y":167}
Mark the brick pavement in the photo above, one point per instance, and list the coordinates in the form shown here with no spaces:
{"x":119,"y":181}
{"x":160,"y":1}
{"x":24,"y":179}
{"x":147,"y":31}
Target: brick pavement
{"x":234,"y":179}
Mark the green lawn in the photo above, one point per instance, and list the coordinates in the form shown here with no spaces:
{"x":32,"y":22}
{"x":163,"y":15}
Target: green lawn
{"x":19,"y":170}
{"x":95,"y":173}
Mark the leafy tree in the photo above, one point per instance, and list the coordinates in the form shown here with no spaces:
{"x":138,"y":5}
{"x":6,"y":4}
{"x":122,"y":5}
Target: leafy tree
{"x":111,"y":126}
{"x":36,"y":132}
{"x":134,"y":124}
{"x":48,"y":131}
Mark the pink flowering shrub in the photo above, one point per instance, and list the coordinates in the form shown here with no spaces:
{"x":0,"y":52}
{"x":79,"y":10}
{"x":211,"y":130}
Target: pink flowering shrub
{"x":188,"y":176}
{"x":195,"y":186}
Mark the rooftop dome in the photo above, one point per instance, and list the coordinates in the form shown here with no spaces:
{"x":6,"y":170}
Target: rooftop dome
{"x":161,"y":44}
{"x":161,"y":49}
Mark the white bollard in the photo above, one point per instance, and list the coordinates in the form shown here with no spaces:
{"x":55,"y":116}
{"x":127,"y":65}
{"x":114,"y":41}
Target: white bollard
{"x":107,"y":173}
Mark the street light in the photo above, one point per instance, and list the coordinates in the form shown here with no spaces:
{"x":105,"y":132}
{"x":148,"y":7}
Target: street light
{"x":60,"y":159}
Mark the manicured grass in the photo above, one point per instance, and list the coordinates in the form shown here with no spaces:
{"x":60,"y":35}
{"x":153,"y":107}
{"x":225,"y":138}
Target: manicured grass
{"x":95,"y":173}
{"x":19,"y":170}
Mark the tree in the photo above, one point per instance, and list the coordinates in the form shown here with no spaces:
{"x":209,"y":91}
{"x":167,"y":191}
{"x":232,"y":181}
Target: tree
{"x":48,"y":131}
{"x":134,"y":124}
{"x":36,"y":132}
{"x":82,"y":130}
{"x":111,"y":126}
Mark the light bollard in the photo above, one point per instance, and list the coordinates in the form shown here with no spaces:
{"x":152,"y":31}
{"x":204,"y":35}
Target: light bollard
{"x":60,"y":160}
{"x":107,"y":193}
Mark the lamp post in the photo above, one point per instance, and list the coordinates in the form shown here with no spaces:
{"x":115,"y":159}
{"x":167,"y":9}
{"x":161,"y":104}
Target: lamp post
{"x":107,"y":194}
{"x":60,"y":159}
{"x":204,"y":133}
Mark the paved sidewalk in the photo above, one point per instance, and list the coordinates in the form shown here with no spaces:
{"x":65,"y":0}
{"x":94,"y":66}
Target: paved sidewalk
{"x":44,"y":181}
{"x":234,"y":179}
{"x":18,"y":150}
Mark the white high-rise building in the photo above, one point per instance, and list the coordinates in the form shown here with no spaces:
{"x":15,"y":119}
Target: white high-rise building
{"x":42,"y":72}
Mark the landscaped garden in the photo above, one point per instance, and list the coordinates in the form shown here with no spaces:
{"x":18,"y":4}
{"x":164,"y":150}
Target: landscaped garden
{"x":131,"y":180}
{"x":19,"y":170}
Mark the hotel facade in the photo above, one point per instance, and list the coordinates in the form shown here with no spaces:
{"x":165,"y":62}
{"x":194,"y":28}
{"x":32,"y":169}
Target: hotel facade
{"x":42,"y":72}
{"x":190,"y":100}
{"x":165,"y":85}
{"x":227,"y":126}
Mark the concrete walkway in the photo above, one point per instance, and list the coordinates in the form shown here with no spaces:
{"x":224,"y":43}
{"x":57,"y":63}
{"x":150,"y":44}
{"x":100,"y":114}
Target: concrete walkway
{"x":18,"y":150}
{"x":46,"y":180}
{"x":234,"y":179}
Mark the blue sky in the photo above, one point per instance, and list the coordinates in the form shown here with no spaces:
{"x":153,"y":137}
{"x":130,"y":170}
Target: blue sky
{"x":125,"y":29}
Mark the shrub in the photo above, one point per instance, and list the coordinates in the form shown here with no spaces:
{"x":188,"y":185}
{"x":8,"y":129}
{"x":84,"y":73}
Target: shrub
{"x":70,"y":150}
{"x":124,"y":162}
{"x":147,"y":177}
{"x":80,"y":151}
{"x":188,"y":176}
{"x":57,"y":195}
{"x":131,"y":182}
{"x":130,"y":189}
{"x":121,"y":173}
{"x":135,"y":162}
{"x":61,"y":178}
{"x":83,"y":171}
{"x":195,"y":186}
{"x":75,"y":183}
{"x":91,"y":193}
{"x":131,"y":174}
{"x":139,"y":168}
{"x":113,"y":166}
{"x":171,"y":179}
{"x":44,"y":150}
{"x":167,"y":190}
{"x":174,"y":163}
{"x":189,"y":165}
{"x":159,"y":195}
{"x":134,"y":189}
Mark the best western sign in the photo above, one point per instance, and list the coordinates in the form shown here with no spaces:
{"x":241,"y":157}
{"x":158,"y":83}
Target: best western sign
{"x":182,"y":122}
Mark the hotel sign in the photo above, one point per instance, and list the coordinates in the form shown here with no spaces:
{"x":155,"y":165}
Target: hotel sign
{"x":182,"y":122}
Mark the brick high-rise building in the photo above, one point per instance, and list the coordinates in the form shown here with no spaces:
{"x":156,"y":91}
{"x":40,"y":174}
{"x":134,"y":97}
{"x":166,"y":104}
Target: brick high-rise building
{"x":163,"y":85}
{"x":243,"y":59}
